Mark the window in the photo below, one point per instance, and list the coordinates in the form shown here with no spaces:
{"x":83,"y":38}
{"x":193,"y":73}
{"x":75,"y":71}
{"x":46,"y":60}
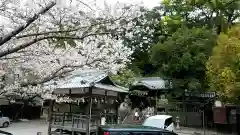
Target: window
{"x":168,"y":122}
{"x":154,"y":123}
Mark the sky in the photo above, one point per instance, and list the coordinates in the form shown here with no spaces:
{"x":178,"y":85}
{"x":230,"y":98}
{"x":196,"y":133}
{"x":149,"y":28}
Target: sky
{"x":147,"y":3}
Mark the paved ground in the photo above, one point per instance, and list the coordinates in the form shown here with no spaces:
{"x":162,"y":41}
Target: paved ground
{"x":27,"y":128}
{"x":32,"y":127}
{"x":196,"y":131}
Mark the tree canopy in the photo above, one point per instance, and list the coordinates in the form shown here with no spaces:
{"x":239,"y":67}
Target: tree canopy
{"x":182,"y":56}
{"x":42,"y":41}
{"x":143,"y":33}
{"x":124,"y":77}
{"x":223,"y":67}
{"x":155,"y":25}
{"x":175,"y":39}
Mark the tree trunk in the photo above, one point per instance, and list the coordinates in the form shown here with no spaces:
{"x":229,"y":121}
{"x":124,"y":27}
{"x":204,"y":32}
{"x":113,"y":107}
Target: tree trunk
{"x":50,"y":113}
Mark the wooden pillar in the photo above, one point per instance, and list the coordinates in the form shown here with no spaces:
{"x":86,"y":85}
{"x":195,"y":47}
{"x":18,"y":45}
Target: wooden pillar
{"x":70,"y":104}
{"x":105,"y":108}
{"x":117,"y":111}
{"x":50,"y":116}
{"x":88,"y":130}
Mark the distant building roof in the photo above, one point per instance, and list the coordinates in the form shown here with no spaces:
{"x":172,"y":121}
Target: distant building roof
{"x":111,"y":88}
{"x":89,"y":75}
{"x":153,"y":83}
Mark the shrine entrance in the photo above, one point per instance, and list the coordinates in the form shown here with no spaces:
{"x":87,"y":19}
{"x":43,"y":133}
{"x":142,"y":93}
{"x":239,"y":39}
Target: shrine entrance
{"x":94,"y":101}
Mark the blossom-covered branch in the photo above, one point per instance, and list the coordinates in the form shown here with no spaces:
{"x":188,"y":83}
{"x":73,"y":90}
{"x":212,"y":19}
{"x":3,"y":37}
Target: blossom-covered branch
{"x":60,"y":41}
{"x":63,"y":23}
{"x":30,"y":72}
{"x":27,"y":44}
{"x":7,"y":37}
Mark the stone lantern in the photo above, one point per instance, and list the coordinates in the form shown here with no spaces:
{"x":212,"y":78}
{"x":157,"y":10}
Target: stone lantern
{"x":178,"y":122}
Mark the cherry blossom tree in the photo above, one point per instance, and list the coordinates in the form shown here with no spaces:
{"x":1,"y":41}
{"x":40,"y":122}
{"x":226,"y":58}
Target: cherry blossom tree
{"x":46,"y":40}
{"x":43,"y":63}
{"x":60,"y":24}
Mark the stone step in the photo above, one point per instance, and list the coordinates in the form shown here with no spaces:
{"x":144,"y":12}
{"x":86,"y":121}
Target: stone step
{"x":130,"y":120}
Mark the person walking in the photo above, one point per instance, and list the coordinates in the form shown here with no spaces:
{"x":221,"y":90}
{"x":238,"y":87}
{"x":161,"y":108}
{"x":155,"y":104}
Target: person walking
{"x":136,"y":114}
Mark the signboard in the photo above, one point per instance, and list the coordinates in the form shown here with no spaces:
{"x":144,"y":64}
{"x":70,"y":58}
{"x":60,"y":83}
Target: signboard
{"x":139,"y":93}
{"x":232,"y":116}
{"x":220,"y":115}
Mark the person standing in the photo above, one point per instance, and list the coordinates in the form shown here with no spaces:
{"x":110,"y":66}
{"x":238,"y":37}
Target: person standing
{"x":136,"y":114}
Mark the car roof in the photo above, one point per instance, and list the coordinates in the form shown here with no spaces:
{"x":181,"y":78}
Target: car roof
{"x":126,"y":127}
{"x":160,"y":117}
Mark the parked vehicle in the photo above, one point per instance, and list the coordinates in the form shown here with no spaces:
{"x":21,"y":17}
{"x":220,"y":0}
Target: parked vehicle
{"x":160,"y":121}
{"x":66,"y":132}
{"x":5,"y":133}
{"x":131,"y":130}
{"x":4,"y":121}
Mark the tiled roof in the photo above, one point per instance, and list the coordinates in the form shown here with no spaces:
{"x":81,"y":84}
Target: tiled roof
{"x":82,"y":79}
{"x":152,"y":83}
{"x":110,"y":87}
{"x":88,"y":78}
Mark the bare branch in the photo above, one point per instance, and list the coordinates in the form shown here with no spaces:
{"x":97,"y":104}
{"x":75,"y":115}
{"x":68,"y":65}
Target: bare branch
{"x":8,"y":37}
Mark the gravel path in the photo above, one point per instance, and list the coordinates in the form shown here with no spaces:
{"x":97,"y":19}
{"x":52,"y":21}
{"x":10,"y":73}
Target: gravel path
{"x":27,"y":128}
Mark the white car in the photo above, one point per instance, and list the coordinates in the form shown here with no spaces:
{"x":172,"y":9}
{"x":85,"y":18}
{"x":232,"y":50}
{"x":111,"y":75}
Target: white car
{"x":160,"y":121}
{"x":4,"y":121}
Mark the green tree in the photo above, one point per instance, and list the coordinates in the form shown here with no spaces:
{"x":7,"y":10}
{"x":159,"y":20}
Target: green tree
{"x":143,"y":33}
{"x":182,"y":57}
{"x":218,"y":14}
{"x":223,"y":67}
{"x":157,"y":24}
{"x":124,"y":77}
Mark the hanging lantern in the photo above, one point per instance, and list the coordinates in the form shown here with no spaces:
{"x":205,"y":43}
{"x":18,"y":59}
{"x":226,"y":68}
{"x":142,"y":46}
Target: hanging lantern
{"x":83,"y":100}
{"x":102,"y":101}
{"x":12,"y":101}
{"x":95,"y":100}
{"x":111,"y":101}
{"x":105,"y":101}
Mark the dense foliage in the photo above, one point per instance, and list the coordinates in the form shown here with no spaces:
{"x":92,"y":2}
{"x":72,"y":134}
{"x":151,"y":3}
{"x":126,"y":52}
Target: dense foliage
{"x":175,"y":39}
{"x":183,"y":56}
{"x":143,"y":33}
{"x":223,"y":67}
{"x":124,"y":77}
